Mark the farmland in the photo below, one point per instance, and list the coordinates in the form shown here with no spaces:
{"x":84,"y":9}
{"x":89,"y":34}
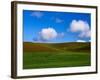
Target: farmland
{"x":53,"y":55}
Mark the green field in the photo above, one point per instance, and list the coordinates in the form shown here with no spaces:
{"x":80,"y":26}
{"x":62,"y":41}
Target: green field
{"x":39,"y":55}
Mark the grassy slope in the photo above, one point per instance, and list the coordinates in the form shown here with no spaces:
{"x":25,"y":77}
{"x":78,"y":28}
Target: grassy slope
{"x":28,"y":46}
{"x":50,"y":59}
{"x":56,"y":55}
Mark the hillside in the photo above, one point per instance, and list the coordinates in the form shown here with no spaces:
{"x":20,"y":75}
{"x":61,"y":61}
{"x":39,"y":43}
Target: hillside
{"x":72,"y":46}
{"x":54,"y":55}
{"x":29,"y":47}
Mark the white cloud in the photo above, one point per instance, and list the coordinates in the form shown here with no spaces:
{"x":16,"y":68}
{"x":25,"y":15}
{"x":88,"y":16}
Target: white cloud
{"x":88,"y":33}
{"x":80,"y":41}
{"x":79,"y":26}
{"x":85,"y":34}
{"x":37,"y":14}
{"x":48,"y":33}
{"x":82,"y":27}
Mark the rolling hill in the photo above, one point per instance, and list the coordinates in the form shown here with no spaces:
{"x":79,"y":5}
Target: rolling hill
{"x":54,"y":55}
{"x":72,"y":46}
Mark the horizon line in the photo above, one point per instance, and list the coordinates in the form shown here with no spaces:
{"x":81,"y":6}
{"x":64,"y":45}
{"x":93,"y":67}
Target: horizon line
{"x":57,"y":42}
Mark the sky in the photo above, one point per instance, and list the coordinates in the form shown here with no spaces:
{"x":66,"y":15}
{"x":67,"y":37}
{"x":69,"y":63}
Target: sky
{"x":56,"y":27}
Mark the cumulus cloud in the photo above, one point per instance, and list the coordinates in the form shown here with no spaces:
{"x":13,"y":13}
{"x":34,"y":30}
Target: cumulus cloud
{"x":79,"y":26}
{"x":82,"y":27}
{"x":48,"y":33}
{"x":37,"y":14}
{"x":86,"y":34}
{"x":80,"y":41}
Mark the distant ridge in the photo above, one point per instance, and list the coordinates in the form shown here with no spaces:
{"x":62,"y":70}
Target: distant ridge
{"x":69,"y":46}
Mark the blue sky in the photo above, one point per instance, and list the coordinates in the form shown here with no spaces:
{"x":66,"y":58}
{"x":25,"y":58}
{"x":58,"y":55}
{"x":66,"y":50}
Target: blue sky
{"x":48,"y":26}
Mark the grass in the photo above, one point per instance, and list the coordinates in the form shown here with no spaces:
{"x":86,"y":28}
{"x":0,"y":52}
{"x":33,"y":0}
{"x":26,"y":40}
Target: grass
{"x":53,"y":55}
{"x":53,"y":59}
